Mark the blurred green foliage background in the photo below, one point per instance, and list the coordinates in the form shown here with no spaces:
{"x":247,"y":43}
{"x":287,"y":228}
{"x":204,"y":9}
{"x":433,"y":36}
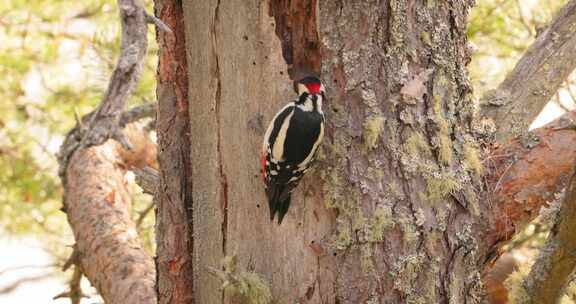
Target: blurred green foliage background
{"x":55,"y":60}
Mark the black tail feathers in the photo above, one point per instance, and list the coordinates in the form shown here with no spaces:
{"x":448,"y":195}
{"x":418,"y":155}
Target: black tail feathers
{"x":278,"y":201}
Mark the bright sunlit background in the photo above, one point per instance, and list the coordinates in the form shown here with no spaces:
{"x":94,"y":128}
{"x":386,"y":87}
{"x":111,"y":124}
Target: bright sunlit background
{"x":55,"y":60}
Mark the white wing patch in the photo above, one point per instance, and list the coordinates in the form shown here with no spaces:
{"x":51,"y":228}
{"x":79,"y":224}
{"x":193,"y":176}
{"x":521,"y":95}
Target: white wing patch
{"x":265,"y":144}
{"x":278,"y":148}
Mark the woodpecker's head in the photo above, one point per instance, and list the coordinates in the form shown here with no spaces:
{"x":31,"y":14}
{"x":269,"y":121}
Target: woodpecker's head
{"x":310,"y":85}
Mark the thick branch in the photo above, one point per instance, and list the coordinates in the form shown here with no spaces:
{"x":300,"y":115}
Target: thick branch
{"x":553,"y":268}
{"x":536,"y":77}
{"x":527,"y":173}
{"x":98,"y":206}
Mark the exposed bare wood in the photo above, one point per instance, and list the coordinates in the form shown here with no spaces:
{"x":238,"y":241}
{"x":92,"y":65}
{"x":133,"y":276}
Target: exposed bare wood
{"x":535,"y":78}
{"x":297,"y":30}
{"x":526,"y":173}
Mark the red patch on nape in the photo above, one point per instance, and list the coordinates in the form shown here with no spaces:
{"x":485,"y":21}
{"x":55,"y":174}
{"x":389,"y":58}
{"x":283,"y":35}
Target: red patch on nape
{"x":313,"y":88}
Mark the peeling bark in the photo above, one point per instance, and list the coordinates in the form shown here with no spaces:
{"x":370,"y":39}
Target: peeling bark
{"x":526,"y":174}
{"x":535,"y":78}
{"x":98,"y":207}
{"x":174,"y":197}
{"x":297,"y":30}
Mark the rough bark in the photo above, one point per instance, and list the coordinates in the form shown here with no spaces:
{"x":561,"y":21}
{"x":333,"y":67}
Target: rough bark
{"x":174,"y":197}
{"x":109,"y":251}
{"x":392,"y":217}
{"x":535,"y":78}
{"x":554,"y":268}
{"x":403,"y":174}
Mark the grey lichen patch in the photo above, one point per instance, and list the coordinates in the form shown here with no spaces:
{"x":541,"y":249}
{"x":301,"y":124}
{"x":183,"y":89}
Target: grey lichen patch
{"x":441,"y":184}
{"x":395,"y":190}
{"x":519,"y":128}
{"x":249,"y":287}
{"x":373,"y":127}
{"x":398,"y":24}
{"x":409,"y":229}
{"x":405,"y":273}
{"x":374,"y":299}
{"x":471,"y":159}
{"x":484,"y":128}
{"x":496,"y":98}
{"x":442,"y":218}
{"x":529,"y":140}
{"x":338,"y":197}
{"x":350,"y":59}
{"x":369,"y":98}
{"x":420,"y":217}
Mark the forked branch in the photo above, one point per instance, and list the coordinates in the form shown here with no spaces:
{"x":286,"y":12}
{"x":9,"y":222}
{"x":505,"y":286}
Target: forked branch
{"x":535,"y":78}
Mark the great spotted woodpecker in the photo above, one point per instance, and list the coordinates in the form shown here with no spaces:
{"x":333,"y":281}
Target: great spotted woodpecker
{"x":290,"y":144}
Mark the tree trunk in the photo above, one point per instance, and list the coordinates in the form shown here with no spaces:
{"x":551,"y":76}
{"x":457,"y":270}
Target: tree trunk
{"x":174,"y":196}
{"x":396,"y":211}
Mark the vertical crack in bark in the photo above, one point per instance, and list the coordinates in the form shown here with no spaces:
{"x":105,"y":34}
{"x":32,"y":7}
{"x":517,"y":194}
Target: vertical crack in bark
{"x":218,"y":102}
